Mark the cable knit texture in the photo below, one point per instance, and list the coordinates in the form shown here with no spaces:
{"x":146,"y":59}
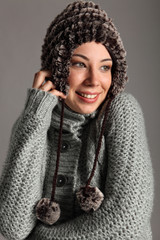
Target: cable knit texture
{"x":124,"y":172}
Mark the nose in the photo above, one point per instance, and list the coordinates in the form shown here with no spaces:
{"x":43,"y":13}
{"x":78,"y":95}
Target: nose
{"x":92,"y":77}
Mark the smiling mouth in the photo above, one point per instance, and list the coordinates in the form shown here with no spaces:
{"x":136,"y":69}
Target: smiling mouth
{"x":89,"y":96}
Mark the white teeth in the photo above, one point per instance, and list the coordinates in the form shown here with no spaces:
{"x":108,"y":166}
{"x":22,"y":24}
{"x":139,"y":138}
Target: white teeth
{"x":87,"y":95}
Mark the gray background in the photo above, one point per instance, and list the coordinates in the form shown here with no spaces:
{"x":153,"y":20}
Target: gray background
{"x":23,"y":25}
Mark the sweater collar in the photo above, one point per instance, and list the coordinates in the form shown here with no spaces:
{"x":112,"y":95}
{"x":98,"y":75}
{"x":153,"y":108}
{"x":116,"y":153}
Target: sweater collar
{"x":73,"y":122}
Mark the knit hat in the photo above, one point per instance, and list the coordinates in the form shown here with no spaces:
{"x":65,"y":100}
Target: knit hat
{"x":79,"y":22}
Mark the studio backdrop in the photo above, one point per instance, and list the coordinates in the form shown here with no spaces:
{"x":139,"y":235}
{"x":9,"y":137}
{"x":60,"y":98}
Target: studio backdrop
{"x":23,"y":27}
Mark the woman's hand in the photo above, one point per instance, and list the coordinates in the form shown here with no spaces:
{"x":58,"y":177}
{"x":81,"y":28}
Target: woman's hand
{"x":40,"y":83}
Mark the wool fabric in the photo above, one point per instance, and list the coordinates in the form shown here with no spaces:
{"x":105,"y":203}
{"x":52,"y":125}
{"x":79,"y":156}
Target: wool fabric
{"x":124,"y":172}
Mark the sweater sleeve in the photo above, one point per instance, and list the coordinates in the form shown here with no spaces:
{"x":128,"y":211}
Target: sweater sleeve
{"x":24,"y":169}
{"x":126,"y":210}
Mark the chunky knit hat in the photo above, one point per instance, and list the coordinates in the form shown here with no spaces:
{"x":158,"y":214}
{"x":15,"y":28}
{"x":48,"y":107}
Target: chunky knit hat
{"x":80,"y":22}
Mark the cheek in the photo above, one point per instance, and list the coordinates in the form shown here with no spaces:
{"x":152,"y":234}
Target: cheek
{"x":74,"y":80}
{"x":71,"y":80}
{"x":107,"y":83}
{"x":110,"y":82}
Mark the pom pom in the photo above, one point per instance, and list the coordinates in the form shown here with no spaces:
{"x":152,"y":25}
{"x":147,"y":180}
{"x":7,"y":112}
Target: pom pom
{"x":89,"y":198}
{"x":48,"y":212}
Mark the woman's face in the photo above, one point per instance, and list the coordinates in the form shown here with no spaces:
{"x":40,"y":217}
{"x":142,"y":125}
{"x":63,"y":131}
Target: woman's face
{"x":89,"y":78}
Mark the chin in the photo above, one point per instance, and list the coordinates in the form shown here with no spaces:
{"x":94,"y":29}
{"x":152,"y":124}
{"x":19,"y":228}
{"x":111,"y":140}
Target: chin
{"x":85,"y":110}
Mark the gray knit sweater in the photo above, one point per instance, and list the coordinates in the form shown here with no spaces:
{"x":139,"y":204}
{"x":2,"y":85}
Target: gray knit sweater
{"x":124,"y":172}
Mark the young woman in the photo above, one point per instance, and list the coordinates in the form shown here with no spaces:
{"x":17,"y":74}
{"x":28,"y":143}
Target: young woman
{"x":78,"y":165}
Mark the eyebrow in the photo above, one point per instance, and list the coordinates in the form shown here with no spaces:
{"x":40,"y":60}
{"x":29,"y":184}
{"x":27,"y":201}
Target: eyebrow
{"x":84,"y":57}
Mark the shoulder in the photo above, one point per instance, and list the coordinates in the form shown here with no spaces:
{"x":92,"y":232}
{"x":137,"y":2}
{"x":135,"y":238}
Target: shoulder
{"x":125,"y":105}
{"x":125,"y":115}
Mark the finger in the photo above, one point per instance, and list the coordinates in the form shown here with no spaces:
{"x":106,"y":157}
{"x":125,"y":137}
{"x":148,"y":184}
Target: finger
{"x":39,"y":78}
{"x":47,"y":86}
{"x":58,"y":93}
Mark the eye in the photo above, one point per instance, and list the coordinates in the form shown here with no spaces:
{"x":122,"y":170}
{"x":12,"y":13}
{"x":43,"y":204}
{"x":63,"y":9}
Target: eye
{"x":105,"y":68}
{"x":78,"y":64}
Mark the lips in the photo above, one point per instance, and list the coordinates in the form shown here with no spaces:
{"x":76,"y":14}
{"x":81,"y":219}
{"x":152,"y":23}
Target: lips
{"x":88,"y":97}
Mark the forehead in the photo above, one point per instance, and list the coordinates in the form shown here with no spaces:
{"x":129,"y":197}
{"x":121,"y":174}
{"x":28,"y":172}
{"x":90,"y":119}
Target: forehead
{"x":92,"y":50}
